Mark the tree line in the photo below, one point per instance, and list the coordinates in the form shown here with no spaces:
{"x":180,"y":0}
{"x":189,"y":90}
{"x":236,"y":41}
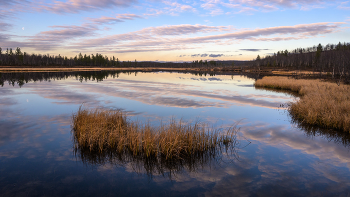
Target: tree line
{"x":333,"y":59}
{"x":18,"y":58}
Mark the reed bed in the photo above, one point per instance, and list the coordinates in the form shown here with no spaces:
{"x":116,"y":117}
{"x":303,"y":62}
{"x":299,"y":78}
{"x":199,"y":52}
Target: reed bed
{"x":103,"y":130}
{"x":321,"y":103}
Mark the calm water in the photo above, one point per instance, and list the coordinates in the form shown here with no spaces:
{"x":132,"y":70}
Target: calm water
{"x":274,"y":156}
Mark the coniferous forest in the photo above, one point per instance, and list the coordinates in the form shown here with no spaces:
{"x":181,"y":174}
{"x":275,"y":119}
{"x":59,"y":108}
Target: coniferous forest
{"x":17,"y":58}
{"x":332,"y":58}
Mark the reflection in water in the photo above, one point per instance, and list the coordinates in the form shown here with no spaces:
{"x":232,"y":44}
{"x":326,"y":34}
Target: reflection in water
{"x":278,"y":91}
{"x":23,"y":78}
{"x":160,"y":93}
{"x":156,"y":165}
{"x":36,"y":156}
{"x":335,"y":136}
{"x":175,"y":145}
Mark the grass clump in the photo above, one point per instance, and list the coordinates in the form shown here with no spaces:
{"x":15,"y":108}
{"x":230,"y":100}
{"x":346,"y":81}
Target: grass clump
{"x":103,"y":130}
{"x":321,"y":103}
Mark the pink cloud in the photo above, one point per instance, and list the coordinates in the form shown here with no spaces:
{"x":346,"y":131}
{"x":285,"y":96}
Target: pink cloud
{"x":5,"y":26}
{"x":164,"y":38}
{"x":117,"y":19}
{"x":344,"y":5}
{"x":172,"y":8}
{"x":183,"y":29}
{"x":168,"y":38}
{"x":247,"y":6}
{"x":74,"y":6}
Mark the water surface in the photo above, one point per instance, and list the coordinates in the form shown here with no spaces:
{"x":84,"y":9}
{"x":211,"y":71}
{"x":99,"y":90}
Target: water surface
{"x":275,"y":156}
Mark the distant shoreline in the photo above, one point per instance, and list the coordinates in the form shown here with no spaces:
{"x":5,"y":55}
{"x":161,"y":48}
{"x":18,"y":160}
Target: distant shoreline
{"x":59,"y":69}
{"x":266,"y":71}
{"x":72,"y":69}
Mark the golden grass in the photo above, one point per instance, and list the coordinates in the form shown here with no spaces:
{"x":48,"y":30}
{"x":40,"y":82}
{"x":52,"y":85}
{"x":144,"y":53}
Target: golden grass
{"x":321,"y":103}
{"x":105,"y":130}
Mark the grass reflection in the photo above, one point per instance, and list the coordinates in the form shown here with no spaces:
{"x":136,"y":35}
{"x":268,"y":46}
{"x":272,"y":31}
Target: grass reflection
{"x":107,"y":136}
{"x":331,"y":135}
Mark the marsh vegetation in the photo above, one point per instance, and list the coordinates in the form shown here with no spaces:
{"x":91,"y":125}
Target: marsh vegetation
{"x":110,"y":131}
{"x":321,"y":103}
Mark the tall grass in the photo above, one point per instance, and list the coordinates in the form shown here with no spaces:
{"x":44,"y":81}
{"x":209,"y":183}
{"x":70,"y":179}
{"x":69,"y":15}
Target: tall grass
{"x":102,"y":130}
{"x":321,"y":103}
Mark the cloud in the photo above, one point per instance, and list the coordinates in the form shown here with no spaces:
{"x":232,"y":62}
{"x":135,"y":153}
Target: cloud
{"x":75,"y":6}
{"x":344,"y":5}
{"x":207,"y":55}
{"x":68,"y":31}
{"x":4,"y":26}
{"x":51,"y":39}
{"x":216,"y":55}
{"x":249,"y":6}
{"x":273,"y":4}
{"x":303,"y":30}
{"x":173,"y":8}
{"x":112,"y":20}
{"x":9,"y":8}
{"x":149,"y":37}
{"x":2,"y":14}
{"x":216,"y":12}
{"x":57,"y":37}
{"x":12,"y":2}
{"x":155,"y":38}
{"x":183,"y":29}
{"x":253,"y":50}
{"x":162,"y":38}
{"x":212,"y":6}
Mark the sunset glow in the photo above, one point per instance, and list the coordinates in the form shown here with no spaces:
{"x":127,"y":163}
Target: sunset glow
{"x":182,"y":30}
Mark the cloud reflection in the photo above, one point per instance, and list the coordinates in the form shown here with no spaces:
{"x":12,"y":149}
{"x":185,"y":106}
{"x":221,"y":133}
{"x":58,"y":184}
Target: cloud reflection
{"x":282,"y":160}
{"x":177,"y":93}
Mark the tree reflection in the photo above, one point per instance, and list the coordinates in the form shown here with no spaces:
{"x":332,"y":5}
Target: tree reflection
{"x":21,"y":78}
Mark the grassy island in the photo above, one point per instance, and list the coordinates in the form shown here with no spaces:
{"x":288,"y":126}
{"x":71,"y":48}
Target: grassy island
{"x":321,"y":103}
{"x":110,"y":130}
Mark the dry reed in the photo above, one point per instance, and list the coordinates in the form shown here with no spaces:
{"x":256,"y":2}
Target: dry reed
{"x":105,"y":130}
{"x":321,"y":103}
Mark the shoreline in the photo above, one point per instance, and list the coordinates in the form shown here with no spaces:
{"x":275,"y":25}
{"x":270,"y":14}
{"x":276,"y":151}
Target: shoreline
{"x":271,"y":71}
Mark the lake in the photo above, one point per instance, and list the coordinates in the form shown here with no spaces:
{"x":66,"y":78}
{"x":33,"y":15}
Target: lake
{"x":274,"y":155}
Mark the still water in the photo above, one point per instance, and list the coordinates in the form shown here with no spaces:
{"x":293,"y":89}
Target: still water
{"x":274,"y":156}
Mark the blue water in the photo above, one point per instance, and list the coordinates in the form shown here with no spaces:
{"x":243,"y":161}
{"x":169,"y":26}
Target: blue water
{"x":274,"y":156}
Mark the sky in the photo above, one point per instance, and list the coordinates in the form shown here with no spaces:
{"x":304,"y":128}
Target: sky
{"x":179,"y":30}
